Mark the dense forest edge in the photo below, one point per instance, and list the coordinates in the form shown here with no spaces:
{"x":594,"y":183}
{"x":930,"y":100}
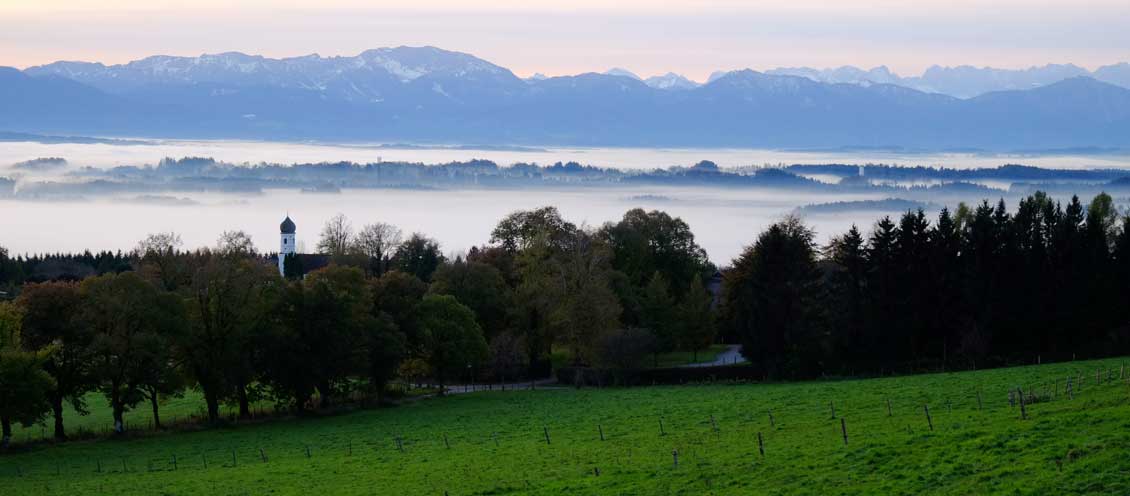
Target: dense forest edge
{"x":981,"y":286}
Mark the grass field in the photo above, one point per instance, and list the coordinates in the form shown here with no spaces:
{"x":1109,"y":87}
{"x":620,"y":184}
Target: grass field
{"x":496,"y":443}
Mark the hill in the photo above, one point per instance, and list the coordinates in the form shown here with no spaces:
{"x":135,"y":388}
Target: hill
{"x":972,"y":442}
{"x":429,"y":95}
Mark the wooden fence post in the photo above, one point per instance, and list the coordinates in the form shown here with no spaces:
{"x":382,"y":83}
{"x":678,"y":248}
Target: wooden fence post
{"x":832,"y":405}
{"x":662,"y":432}
{"x":545,"y":429}
{"x":980,"y":406}
{"x":601,"y":430}
{"x":760,"y":444}
{"x":675,"y":455}
{"x":889,"y":413}
{"x":929,"y":421}
{"x":772,"y":423}
{"x":843,"y":428}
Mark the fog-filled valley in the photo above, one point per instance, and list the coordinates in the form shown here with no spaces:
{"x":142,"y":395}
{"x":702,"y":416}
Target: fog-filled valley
{"x":65,"y":197}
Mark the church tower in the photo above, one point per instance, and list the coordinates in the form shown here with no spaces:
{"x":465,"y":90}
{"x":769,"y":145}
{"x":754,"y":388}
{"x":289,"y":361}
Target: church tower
{"x":286,"y":243}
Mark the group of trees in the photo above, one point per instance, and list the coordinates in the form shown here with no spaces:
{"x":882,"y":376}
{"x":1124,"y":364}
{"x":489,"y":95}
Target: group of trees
{"x":978,"y":286}
{"x":379,"y":247}
{"x":222,"y":321}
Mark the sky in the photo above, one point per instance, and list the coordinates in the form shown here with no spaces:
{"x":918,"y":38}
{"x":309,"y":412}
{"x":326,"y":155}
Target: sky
{"x":558,"y":37}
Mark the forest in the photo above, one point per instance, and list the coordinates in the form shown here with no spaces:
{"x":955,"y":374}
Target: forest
{"x":978,"y":287}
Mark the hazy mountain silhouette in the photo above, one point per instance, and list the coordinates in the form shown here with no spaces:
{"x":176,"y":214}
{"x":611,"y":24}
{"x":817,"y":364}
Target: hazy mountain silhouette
{"x":431,"y":95}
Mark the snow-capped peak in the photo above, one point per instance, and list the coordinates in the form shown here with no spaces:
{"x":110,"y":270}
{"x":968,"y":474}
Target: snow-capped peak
{"x":670,"y":81}
{"x":617,"y":71}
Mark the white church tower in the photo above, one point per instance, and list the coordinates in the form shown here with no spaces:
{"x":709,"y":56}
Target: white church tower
{"x":286,"y":243}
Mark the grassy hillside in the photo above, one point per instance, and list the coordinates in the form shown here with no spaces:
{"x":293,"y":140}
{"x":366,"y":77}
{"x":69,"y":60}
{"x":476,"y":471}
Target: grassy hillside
{"x":495,"y":443}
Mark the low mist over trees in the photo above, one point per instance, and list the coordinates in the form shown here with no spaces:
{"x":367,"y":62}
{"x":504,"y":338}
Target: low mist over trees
{"x":979,"y":286}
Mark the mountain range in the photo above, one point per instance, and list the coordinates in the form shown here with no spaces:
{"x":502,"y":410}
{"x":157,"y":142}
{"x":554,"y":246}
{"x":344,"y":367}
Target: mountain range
{"x":429,"y":95}
{"x":961,"y":81}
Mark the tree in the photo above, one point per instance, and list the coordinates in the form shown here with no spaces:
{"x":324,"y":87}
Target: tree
{"x":696,"y":318}
{"x":161,"y":260}
{"x":568,"y":291}
{"x":644,"y":243}
{"x":771,"y":300}
{"x":418,"y":255}
{"x":480,"y":287}
{"x":292,"y":267}
{"x":322,"y":337}
{"x":659,"y":314}
{"x":377,"y":242}
{"x":847,"y":284}
{"x":387,"y":347}
{"x":337,"y":236}
{"x":51,"y":318}
{"x":455,"y":343}
{"x":11,"y":272}
{"x":625,"y":349}
{"x":235,"y":243}
{"x":508,"y":357}
{"x":397,"y":294}
{"x":230,"y":306}
{"x":131,"y":320}
{"x":519,"y":229}
{"x":23,"y":382}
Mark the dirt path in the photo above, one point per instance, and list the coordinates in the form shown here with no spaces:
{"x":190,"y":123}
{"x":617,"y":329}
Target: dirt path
{"x":731,"y":356}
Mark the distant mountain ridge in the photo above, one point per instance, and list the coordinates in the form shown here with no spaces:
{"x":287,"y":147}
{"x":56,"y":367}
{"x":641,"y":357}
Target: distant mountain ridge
{"x":354,"y":75}
{"x":965,"y":81}
{"x":430,"y":95}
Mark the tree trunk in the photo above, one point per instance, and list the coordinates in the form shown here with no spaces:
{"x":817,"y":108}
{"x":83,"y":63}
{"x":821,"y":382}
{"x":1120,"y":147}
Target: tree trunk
{"x":244,"y":405}
{"x":119,"y":410}
{"x":119,"y":421}
{"x":156,"y":415}
{"x":324,"y":390}
{"x":6,"y":437}
{"x":57,"y":409}
{"x":213,"y":407}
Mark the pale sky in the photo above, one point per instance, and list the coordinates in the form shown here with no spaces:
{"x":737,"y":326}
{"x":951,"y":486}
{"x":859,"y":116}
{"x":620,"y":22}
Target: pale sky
{"x":555,"y":37}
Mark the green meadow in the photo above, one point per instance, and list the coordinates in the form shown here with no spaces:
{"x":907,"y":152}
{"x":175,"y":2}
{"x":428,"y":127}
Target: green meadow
{"x":549,"y":441}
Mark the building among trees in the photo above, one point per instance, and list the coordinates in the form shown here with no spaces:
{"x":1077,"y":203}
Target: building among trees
{"x":294,"y":265}
{"x":286,"y":242}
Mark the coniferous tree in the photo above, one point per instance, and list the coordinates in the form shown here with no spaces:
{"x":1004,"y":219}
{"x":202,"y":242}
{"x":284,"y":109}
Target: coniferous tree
{"x":771,"y":300}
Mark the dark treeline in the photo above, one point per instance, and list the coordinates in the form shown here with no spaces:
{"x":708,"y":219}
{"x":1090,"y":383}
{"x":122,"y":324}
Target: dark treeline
{"x":1009,"y":172}
{"x":138,"y":328}
{"x":975,"y":287}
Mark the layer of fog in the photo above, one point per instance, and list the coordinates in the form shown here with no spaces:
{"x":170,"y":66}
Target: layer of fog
{"x":105,"y":155}
{"x":724,"y":221}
